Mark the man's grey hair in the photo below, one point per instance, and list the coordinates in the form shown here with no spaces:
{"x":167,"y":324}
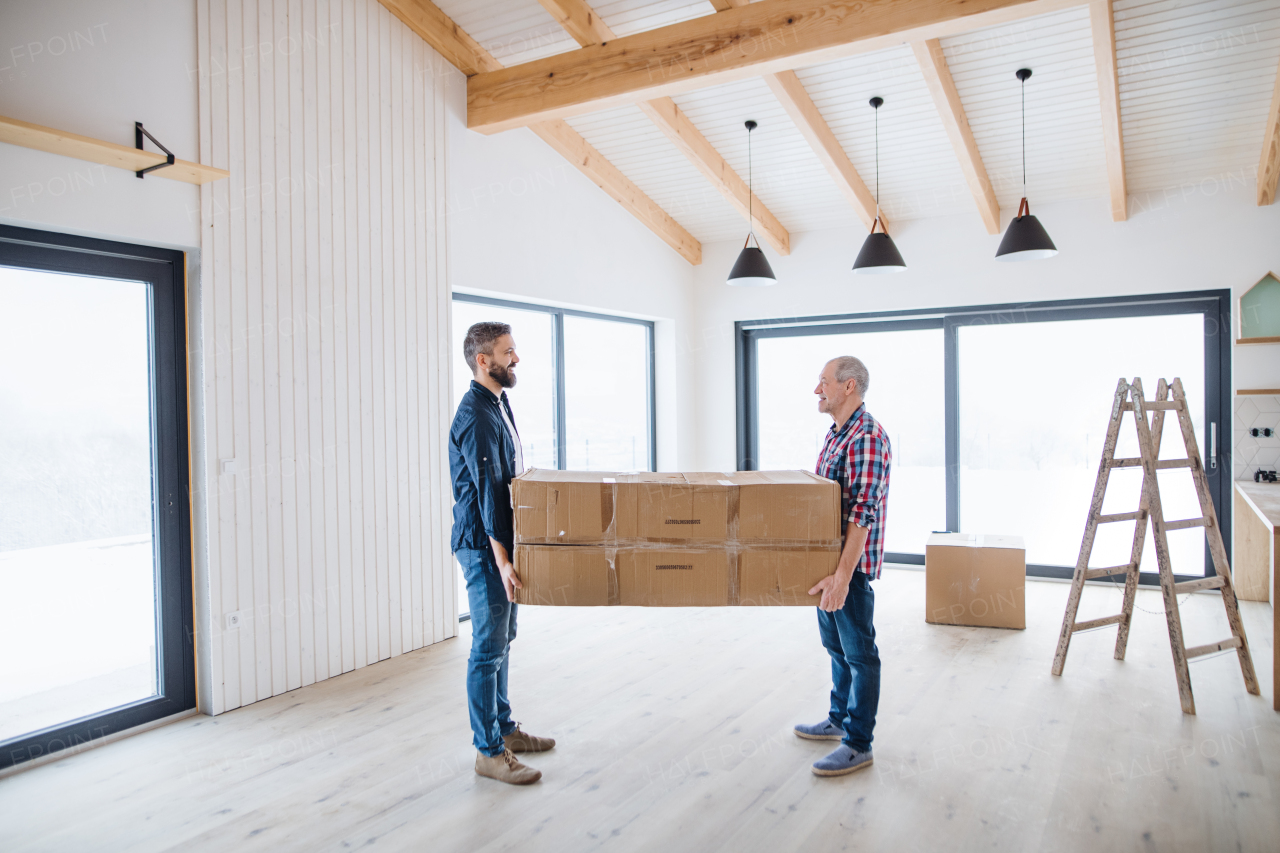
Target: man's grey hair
{"x":848,"y":367}
{"x":480,"y":338}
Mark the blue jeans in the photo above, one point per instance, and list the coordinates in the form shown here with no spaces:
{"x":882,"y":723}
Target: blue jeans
{"x":850,"y":638}
{"x":493,"y":627}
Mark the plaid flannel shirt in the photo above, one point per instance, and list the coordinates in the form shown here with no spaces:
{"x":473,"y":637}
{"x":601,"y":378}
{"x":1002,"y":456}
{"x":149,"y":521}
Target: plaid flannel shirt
{"x":857,"y":456}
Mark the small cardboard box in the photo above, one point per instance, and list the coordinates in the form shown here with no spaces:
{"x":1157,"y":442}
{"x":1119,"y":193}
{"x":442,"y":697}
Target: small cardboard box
{"x":674,"y":540}
{"x":975,"y":580}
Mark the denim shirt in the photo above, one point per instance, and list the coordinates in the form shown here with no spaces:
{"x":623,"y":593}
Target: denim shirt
{"x":481,"y":465}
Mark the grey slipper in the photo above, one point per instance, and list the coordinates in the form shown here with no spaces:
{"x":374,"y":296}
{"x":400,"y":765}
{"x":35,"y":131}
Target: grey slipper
{"x":825,"y":730}
{"x":843,"y":760}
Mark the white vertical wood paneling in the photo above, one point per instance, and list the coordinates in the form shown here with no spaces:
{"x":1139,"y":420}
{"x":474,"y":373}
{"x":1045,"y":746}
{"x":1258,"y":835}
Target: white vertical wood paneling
{"x":324,"y":343}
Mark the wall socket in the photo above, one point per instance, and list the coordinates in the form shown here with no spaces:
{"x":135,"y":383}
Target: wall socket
{"x":234,"y":620}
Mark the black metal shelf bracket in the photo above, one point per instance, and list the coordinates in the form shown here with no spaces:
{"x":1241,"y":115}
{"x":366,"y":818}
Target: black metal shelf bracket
{"x":138,"y":132}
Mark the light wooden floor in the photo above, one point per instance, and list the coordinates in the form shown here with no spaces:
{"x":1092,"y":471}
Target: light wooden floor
{"x":675,"y":733}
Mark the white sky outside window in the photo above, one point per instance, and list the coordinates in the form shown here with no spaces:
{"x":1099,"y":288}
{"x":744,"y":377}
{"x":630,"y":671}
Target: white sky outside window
{"x":606,"y":377}
{"x":1035,"y":401}
{"x":533,"y":398}
{"x":905,"y":396}
{"x":76,"y":553}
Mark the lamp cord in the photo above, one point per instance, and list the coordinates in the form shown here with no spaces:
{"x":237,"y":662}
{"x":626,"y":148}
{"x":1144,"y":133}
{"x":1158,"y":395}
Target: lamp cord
{"x":878,"y":163}
{"x":750,"y":188}
{"x":1024,"y":138}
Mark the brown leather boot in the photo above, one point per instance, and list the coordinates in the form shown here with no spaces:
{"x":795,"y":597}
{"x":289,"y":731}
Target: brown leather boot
{"x":506,"y":768}
{"x":519,"y":741}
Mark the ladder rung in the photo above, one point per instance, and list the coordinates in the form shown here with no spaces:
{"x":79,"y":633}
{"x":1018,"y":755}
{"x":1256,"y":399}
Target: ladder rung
{"x":1090,"y":574}
{"x":1136,"y":462}
{"x":1123,"y":516}
{"x":1154,"y":405}
{"x":1214,"y":582}
{"x":1197,"y":651}
{"x":1186,"y":523}
{"x":1097,"y":623}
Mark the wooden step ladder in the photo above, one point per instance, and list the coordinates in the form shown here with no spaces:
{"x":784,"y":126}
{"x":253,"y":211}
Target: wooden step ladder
{"x":1129,"y":398}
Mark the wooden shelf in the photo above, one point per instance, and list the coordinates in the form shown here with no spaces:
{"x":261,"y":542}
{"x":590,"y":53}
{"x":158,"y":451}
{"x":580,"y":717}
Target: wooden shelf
{"x":1258,"y":391}
{"x":1271,"y":340}
{"x":107,"y":153}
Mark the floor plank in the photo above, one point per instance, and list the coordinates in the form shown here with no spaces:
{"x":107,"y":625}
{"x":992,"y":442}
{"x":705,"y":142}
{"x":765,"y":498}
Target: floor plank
{"x":675,"y":734}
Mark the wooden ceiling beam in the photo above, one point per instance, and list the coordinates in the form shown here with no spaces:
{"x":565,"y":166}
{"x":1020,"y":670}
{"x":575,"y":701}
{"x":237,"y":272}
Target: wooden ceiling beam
{"x":587,"y":28}
{"x":449,"y":40}
{"x":760,"y":38}
{"x":790,"y":92}
{"x":1102,"y":21}
{"x":570,"y":144}
{"x":1269,"y":165}
{"x":942,"y":88}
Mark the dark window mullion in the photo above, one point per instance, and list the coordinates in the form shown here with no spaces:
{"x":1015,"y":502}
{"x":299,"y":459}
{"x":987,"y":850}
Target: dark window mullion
{"x":951,"y":409}
{"x":562,"y":425}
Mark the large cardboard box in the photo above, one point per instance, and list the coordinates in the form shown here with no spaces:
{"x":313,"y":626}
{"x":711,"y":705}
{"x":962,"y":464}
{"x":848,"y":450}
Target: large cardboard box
{"x":705,"y":539}
{"x":975,"y":580}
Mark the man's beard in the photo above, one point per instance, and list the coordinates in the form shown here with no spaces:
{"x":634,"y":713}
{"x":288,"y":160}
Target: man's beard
{"x":502,"y":375}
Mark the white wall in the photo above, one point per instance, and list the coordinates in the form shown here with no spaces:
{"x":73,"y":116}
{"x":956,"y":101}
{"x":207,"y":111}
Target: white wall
{"x":1201,"y":237}
{"x":324,"y":344}
{"x":94,"y":67}
{"x":319,"y":324}
{"x":525,"y":224}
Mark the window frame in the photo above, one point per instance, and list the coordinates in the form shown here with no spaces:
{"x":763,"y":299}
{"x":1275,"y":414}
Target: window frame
{"x":164,"y":270}
{"x":557,"y":334}
{"x":1215,"y":305}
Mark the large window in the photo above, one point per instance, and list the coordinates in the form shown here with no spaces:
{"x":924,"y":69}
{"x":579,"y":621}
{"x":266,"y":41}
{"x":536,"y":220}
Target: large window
{"x":95,"y":542}
{"x":997,"y":415}
{"x":585,"y":396}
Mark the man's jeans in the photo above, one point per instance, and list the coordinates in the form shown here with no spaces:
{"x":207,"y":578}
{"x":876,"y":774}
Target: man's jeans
{"x":850,"y":639}
{"x":493,"y":627}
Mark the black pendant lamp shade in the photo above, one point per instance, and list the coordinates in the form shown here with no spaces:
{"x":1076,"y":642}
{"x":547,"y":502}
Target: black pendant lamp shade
{"x":1025,"y":239}
{"x":879,"y":255}
{"x":752,"y":267}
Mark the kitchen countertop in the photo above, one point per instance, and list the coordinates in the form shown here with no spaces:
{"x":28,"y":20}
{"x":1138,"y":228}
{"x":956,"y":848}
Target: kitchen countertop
{"x":1264,"y":498}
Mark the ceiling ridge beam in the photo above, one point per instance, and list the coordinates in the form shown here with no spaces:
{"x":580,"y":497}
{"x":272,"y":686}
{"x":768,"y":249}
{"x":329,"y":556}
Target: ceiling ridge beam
{"x":1102,"y":21}
{"x":790,"y":92}
{"x":462,"y":51}
{"x":942,"y":88}
{"x":1269,"y":164}
{"x":587,"y":28}
{"x":760,"y":38}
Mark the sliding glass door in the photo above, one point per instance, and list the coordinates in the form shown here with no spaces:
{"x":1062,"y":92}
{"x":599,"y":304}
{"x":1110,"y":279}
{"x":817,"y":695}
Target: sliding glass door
{"x":94,"y":530}
{"x":997,"y":414}
{"x":1032,"y":428}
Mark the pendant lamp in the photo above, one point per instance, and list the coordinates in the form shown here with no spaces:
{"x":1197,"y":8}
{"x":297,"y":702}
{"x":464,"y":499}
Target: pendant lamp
{"x":752,"y":268}
{"x":1025,"y":239}
{"x":879,"y":254}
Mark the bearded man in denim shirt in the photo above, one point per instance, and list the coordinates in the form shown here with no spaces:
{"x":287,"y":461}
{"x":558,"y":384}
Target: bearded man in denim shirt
{"x":484,"y":457}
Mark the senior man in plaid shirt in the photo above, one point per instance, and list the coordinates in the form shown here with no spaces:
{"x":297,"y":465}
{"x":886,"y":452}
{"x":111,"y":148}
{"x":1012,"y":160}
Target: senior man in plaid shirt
{"x":856,"y":455}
